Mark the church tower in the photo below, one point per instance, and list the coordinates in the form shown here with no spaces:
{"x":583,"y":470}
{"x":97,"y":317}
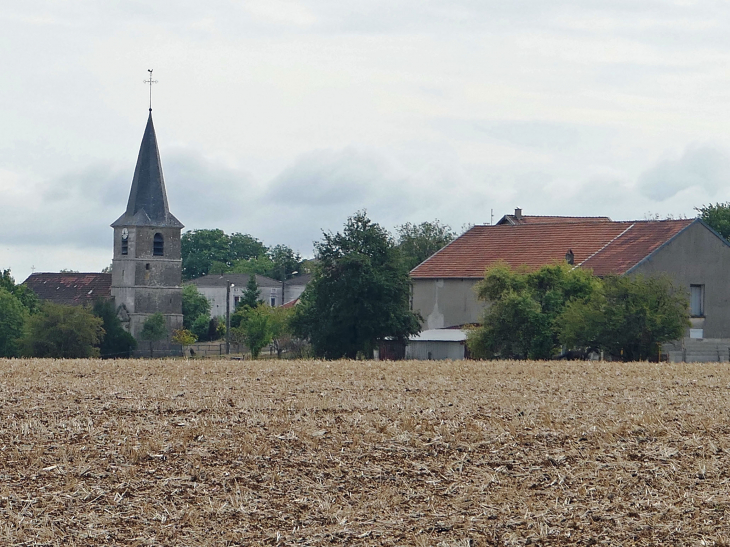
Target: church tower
{"x":147,"y":264}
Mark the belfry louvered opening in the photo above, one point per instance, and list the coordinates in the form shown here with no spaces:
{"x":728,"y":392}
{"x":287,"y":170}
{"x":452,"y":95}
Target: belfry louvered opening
{"x":158,"y":245}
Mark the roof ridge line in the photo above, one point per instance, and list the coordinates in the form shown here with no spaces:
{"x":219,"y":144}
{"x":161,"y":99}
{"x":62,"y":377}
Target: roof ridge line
{"x":606,"y":245}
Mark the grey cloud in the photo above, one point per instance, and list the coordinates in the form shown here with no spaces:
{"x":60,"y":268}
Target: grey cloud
{"x":345,"y":178}
{"x":203,"y":193}
{"x":530,"y":134}
{"x":701,"y":166}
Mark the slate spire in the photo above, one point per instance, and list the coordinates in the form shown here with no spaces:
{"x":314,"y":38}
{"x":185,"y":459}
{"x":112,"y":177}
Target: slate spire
{"x":147,"y":205}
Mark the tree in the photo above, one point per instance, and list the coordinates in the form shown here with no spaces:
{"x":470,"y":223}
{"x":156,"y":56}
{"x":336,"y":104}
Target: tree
{"x":194,"y":305}
{"x":519,"y":322}
{"x":359,"y":293}
{"x":26,"y":296}
{"x":154,"y":329}
{"x":255,"y":330}
{"x":200,"y":328}
{"x":117,"y":342}
{"x":60,"y":331}
{"x":419,"y":241}
{"x":628,"y":318}
{"x":213,"y":251}
{"x":281,"y":332}
{"x":261,"y":265}
{"x":13,"y":316}
{"x":717,"y":216}
{"x":183,"y":337}
{"x":250,"y":296}
{"x":284,"y":262}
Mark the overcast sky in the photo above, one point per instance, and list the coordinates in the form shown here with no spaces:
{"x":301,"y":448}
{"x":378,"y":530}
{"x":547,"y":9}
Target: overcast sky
{"x":282,"y":118}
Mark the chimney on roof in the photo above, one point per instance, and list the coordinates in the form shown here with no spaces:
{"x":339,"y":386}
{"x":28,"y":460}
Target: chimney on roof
{"x":518,"y":213}
{"x":570,"y":257}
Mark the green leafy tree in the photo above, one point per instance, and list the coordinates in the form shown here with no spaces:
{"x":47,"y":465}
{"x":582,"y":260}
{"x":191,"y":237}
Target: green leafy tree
{"x":13,"y":316}
{"x":262,"y":265}
{"x":280,"y":319}
{"x":200,"y":328}
{"x":117,"y":342}
{"x":255,"y":329}
{"x":183,"y":337}
{"x":154,"y":329}
{"x":519,"y":322}
{"x":629,"y":318}
{"x":214,"y":251}
{"x":419,"y":241}
{"x":717,"y":216}
{"x":284,"y":262}
{"x":63,"y":332}
{"x":359,"y":293}
{"x":26,"y":296}
{"x":194,"y":305}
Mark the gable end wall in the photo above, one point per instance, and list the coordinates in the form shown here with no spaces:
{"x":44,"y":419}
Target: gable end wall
{"x":697,"y":256}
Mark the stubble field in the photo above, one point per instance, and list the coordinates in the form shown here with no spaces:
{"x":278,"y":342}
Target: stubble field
{"x":322,"y":453}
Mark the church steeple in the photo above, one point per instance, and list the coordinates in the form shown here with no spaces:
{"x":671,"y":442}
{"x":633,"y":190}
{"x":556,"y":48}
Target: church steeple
{"x":147,"y":205}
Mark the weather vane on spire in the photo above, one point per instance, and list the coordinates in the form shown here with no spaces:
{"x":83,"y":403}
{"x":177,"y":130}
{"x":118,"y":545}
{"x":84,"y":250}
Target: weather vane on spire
{"x":150,"y":81}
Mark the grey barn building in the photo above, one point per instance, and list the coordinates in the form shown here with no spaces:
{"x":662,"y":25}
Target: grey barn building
{"x":147,"y":264}
{"x":693,"y":255}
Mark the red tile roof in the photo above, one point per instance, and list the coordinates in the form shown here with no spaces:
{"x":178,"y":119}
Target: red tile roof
{"x":536,"y":219}
{"x":70,"y":288}
{"x":605,"y":247}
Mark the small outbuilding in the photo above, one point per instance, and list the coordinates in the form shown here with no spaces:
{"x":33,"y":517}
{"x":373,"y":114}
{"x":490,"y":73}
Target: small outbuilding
{"x":437,"y":344}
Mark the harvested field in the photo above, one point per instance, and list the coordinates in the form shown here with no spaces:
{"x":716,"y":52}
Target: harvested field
{"x":321,"y":453}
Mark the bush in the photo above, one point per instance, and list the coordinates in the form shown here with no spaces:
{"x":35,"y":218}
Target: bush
{"x":63,"y":332}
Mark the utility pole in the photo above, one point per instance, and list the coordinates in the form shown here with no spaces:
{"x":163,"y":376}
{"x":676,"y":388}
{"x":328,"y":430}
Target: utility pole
{"x":228,"y":316}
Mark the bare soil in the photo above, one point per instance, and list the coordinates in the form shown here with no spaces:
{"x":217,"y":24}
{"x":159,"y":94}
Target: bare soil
{"x":363,"y":453}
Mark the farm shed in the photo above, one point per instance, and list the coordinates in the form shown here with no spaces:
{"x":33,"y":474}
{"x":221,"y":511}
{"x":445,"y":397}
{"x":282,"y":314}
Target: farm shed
{"x":437,"y":344}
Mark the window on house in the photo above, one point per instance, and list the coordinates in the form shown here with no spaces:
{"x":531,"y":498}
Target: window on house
{"x":272,"y":298}
{"x":125,"y":246}
{"x":158,"y":246}
{"x":236,"y":300}
{"x":697,"y":300}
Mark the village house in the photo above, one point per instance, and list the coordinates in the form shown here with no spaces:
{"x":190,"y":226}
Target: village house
{"x":215,"y":289}
{"x":693,"y":255}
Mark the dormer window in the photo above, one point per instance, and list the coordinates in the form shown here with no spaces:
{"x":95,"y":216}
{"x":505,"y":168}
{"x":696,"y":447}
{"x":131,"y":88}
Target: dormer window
{"x":158,"y":246}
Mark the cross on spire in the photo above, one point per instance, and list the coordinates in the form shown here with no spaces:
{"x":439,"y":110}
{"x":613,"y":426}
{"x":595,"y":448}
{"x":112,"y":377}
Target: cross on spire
{"x":150,"y":81}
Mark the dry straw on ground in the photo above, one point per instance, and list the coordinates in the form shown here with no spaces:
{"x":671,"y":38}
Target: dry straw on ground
{"x":322,"y":453}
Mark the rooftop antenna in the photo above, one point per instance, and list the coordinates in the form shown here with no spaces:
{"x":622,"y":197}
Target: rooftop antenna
{"x":150,"y":81}
{"x":491,"y":218}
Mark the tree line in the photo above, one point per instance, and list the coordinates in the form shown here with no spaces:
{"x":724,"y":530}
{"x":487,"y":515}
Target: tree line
{"x":542,"y":314}
{"x":359,"y":293}
{"x":32,"y":328}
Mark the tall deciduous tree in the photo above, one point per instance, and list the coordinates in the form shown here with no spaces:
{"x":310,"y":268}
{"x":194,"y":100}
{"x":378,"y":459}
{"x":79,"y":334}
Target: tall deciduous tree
{"x":117,"y":342}
{"x":629,"y":317}
{"x":419,"y":241}
{"x":154,"y":329}
{"x":717,"y":216}
{"x":256,"y":329}
{"x":359,"y":293}
{"x":208,"y":251}
{"x":519,"y":322}
{"x":63,"y":332}
{"x":26,"y":296}
{"x":194,"y":305}
{"x":13,"y":316}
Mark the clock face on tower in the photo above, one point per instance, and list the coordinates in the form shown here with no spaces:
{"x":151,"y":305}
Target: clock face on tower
{"x":125,"y":233}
